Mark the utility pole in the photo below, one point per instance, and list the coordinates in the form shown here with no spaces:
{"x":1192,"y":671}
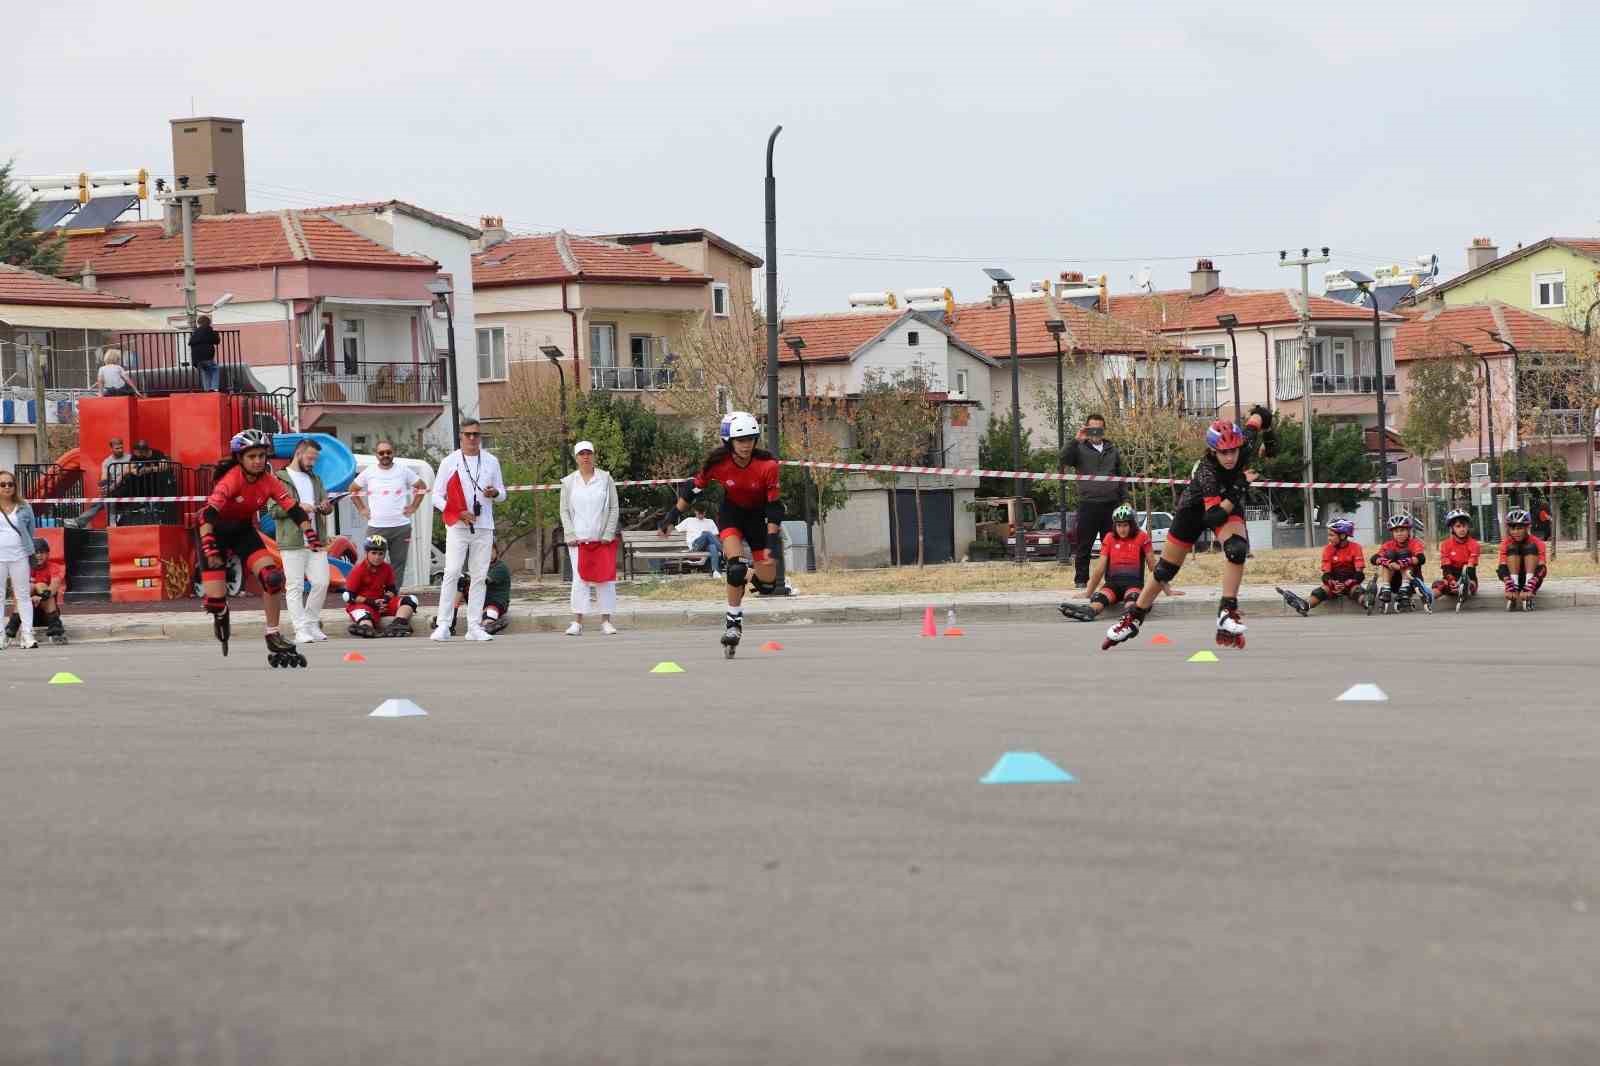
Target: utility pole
{"x":1305,"y":263}
{"x":772,"y":325}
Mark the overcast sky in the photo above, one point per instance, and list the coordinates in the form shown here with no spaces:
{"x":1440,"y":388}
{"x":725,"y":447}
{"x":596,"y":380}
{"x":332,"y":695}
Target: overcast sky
{"x":920,"y":143}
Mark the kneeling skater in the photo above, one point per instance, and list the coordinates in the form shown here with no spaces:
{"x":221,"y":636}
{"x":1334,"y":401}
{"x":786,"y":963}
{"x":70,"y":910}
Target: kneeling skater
{"x":371,"y":593}
{"x":45,"y":582}
{"x":228,"y":523}
{"x":1119,"y":573}
{"x":1214,"y":500}
{"x":1344,"y":570}
{"x":751,"y":512}
{"x":1522,"y":562}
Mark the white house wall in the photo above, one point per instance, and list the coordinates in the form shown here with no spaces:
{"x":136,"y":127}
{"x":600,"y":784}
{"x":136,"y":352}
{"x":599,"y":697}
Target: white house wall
{"x":893,"y":354}
{"x":453,"y":252}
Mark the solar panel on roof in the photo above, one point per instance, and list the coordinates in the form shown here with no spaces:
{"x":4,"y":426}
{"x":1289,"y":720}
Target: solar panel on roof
{"x":98,"y":214}
{"x":120,"y":239}
{"x":48,"y":212}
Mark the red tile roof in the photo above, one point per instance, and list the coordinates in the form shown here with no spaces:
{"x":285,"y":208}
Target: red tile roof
{"x":232,"y":242}
{"x":19,"y":286}
{"x":1433,"y":332}
{"x":1176,"y":311}
{"x":564,"y":257}
{"x":673,"y":236}
{"x":988,"y":329}
{"x":404,"y":208}
{"x":833,"y":338}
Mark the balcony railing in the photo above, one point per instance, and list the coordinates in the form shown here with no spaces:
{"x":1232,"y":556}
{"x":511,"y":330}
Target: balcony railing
{"x":630,"y":378}
{"x":159,"y":363}
{"x":371,"y":383}
{"x":1559,"y":422}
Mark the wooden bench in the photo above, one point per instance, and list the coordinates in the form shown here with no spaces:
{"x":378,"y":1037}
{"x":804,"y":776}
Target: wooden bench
{"x":647,"y":544}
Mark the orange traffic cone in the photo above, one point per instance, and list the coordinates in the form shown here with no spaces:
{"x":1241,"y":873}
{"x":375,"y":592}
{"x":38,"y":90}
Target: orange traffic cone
{"x":950,"y":627}
{"x":354,"y":657}
{"x":928,"y":628}
{"x":772,"y":645}
{"x":1161,"y":638}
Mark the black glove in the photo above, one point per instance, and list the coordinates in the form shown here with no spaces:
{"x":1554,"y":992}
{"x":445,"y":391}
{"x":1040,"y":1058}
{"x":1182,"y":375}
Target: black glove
{"x":1269,"y":443}
{"x":1265,"y":415}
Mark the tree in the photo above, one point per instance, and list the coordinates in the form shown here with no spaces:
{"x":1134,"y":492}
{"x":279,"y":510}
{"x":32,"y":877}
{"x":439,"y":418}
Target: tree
{"x":807,"y":433}
{"x":994,"y":453}
{"x":1339,"y":451}
{"x":1441,"y":406}
{"x":721,"y":363}
{"x":896,"y":424}
{"x":20,"y":244}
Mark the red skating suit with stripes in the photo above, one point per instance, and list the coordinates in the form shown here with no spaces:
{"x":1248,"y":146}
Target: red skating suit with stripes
{"x":749,"y":488}
{"x":1124,"y":558}
{"x":237,"y":500}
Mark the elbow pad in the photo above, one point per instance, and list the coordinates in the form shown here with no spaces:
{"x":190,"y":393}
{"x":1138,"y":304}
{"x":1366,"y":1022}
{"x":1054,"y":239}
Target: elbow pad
{"x":297,"y":515}
{"x":1503,"y":572}
{"x":775,"y":512}
{"x":209,"y":515}
{"x":1215,"y":517}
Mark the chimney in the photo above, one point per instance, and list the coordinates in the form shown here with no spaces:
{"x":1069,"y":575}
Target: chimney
{"x":494,"y":231}
{"x":87,"y":278}
{"x":205,"y":146}
{"x":1481,"y":252}
{"x":1204,"y":279}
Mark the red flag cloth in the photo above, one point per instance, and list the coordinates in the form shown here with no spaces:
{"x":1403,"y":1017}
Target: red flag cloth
{"x":597,"y":561}
{"x":455,"y":501}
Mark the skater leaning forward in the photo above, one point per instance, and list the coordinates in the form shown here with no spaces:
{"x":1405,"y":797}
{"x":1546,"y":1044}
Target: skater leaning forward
{"x":45,"y":583}
{"x":244,"y":486}
{"x":1459,"y":553}
{"x":1126,"y":555}
{"x":1522,"y":561}
{"x":1214,"y":500}
{"x":1401,"y":558}
{"x":751,"y":512}
{"x":1343,"y":570}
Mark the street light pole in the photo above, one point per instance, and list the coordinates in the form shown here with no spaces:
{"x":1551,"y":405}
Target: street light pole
{"x":1368,"y":286}
{"x":797,"y":345}
{"x":1305,"y":262}
{"x":1002,"y":279}
{"x":555,"y":354}
{"x":1057,"y":327}
{"x":1228,"y":322}
{"x":441,"y":291}
{"x":772,"y":323}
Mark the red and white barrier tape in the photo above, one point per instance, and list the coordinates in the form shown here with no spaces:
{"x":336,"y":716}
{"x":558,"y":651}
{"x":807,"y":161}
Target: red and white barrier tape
{"x":936,"y":471}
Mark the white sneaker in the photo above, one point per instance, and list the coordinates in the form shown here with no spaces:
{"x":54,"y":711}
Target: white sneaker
{"x":716,"y":575}
{"x":28,"y":641}
{"x":441,"y":635}
{"x":304,"y":636}
{"x":479,"y":634}
{"x":608,"y":629}
{"x":5,"y":639}
{"x":317,"y":634}
{"x":575,"y":629}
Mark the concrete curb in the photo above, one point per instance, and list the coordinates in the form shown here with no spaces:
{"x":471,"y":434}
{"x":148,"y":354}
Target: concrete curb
{"x":1257,"y":600}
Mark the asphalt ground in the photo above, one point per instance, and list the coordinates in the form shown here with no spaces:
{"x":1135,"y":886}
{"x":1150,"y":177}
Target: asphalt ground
{"x":789,"y":858}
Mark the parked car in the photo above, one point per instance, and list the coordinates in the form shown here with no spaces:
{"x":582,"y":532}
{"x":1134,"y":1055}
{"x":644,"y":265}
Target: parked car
{"x":1000,"y":517}
{"x":1050,"y":523}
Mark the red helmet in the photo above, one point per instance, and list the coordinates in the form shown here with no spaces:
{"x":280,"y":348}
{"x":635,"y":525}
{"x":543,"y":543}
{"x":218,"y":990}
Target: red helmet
{"x":1222,"y":436}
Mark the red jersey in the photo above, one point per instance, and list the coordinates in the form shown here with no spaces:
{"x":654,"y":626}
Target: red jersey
{"x":1124,"y":557}
{"x":46,"y":574}
{"x":1407,"y":555}
{"x":1529,"y":546}
{"x":1343,"y":562}
{"x":369,"y":581}
{"x":749,"y":488}
{"x":1455,"y":555}
{"x":238,"y":500}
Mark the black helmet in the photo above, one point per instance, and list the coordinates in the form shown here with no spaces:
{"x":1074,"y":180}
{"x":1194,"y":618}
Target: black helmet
{"x":41,"y":546}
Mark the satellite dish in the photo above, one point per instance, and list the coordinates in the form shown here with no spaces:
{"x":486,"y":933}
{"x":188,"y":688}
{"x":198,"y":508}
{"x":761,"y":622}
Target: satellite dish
{"x":1144,"y":279}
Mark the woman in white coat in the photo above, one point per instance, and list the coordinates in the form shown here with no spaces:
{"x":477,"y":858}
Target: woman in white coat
{"x":589,"y":516}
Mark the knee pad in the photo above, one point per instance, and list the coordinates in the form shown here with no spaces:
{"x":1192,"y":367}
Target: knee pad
{"x":1235,"y":549}
{"x":271,"y":578}
{"x":737,"y":573}
{"x":409,"y":600}
{"x":360,"y":613}
{"x":765,"y":588}
{"x":216,"y":604}
{"x":491,"y":611}
{"x":1165,"y":571}
{"x":1102,"y":597}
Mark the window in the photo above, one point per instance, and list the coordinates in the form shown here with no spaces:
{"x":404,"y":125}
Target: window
{"x":1550,"y":290}
{"x":603,"y":345}
{"x":1332,"y":369}
{"x":1364,"y":371}
{"x":492,"y":354}
{"x":640,"y":349}
{"x":724,"y":399}
{"x":360,"y":443}
{"x":719,"y":300}
{"x":961,"y":383}
{"x":21,"y":355}
{"x":352,"y":332}
{"x":1290,"y":387}
{"x":913,"y":338}
{"x":1221,"y":364}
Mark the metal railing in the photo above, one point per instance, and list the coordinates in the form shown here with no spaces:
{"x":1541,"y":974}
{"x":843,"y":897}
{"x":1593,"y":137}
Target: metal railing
{"x":630,"y":378}
{"x":159,"y":363}
{"x":338,"y":381}
{"x":36,"y":481}
{"x":1561,"y":422}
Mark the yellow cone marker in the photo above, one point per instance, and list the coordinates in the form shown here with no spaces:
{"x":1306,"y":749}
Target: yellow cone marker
{"x":64,"y":678}
{"x":667,"y":668}
{"x":1203,"y":657}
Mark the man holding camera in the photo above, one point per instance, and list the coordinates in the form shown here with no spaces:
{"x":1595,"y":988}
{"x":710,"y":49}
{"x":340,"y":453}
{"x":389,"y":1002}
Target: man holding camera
{"x":1091,"y":453}
{"x":468,"y":483}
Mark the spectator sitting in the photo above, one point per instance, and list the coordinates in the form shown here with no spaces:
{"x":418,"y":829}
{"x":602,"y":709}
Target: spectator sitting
{"x":111,"y":464}
{"x":496,"y":597}
{"x":700,"y":535}
{"x":46,"y":581}
{"x":370,"y":594}
{"x":150,"y":474}
{"x":112,"y":379}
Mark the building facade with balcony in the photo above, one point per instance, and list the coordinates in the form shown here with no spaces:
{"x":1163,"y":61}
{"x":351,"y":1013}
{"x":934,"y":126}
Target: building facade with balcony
{"x":1557,"y":278}
{"x":610,"y":313}
{"x":321,"y":311}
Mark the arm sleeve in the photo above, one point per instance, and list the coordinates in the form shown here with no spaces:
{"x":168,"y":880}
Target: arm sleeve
{"x":565,"y":509}
{"x":499,"y":479}
{"x":613,"y":510}
{"x":446,"y":468}
{"x":219,"y":495}
{"x":1504,"y":546}
{"x":1540,"y":543}
{"x":1069,"y":454}
{"x":276,"y":509}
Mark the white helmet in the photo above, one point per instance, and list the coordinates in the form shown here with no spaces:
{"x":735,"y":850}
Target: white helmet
{"x":737,"y":424}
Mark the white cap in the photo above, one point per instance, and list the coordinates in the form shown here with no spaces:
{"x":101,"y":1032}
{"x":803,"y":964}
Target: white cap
{"x":583,"y":446}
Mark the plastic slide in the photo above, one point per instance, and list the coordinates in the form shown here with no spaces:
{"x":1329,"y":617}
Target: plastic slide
{"x":336,"y":465}
{"x":70,"y":460}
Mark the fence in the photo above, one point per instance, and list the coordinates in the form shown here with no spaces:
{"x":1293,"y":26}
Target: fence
{"x":38,"y":482}
{"x":159,"y":363}
{"x":339,"y":381}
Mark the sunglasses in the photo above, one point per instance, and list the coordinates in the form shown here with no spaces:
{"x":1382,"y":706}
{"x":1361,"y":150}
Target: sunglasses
{"x":471,"y":434}
{"x":8,"y":484}
{"x":385,"y":455}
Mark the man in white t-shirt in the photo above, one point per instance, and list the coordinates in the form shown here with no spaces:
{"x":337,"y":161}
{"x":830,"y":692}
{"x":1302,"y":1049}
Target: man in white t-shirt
{"x":464,"y":492}
{"x":387,"y":495}
{"x":700,"y":535}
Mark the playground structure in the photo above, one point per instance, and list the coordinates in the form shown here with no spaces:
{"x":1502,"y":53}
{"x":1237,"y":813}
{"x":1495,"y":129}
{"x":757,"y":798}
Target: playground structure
{"x":149,"y":551}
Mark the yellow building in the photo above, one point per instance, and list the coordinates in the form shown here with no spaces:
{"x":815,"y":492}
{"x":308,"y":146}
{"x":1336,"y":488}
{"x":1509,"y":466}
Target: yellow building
{"x":1555,"y":277}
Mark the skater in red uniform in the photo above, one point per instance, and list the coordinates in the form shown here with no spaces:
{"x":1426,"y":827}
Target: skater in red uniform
{"x":1213,"y":500}
{"x":371,"y":593}
{"x":46,"y":581}
{"x":751,"y":513}
{"x":1522,"y":562}
{"x":228,"y":523}
{"x":1459,"y":553}
{"x":1343,"y":570}
{"x":1399,"y":561}
{"x":1126,"y":555}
